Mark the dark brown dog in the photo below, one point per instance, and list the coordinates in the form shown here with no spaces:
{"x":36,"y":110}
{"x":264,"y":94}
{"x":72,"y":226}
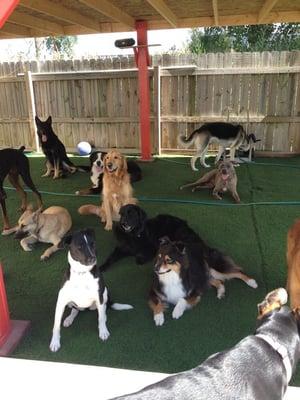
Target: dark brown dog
{"x":221,"y":179}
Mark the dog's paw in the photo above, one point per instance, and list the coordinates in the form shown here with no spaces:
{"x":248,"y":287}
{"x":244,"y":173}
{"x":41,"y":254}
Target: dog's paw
{"x":179,"y":309}
{"x":44,"y":257}
{"x":77,"y":192}
{"x":55,"y":344}
{"x":26,"y":247}
{"x":159,"y":319}
{"x":108,"y":227}
{"x":103,"y":333}
{"x":252,"y":283}
{"x":221,"y":292}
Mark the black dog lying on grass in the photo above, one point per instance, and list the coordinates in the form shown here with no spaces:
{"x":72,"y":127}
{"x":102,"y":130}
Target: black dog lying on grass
{"x":259,"y":367}
{"x":139,"y":236}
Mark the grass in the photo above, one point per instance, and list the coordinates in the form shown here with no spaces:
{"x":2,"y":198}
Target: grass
{"x":255,"y":236}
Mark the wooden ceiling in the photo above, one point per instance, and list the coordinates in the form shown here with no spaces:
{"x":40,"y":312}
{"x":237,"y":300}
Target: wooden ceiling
{"x":33,"y":18}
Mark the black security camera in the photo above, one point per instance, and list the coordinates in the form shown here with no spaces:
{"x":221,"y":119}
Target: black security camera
{"x":123,"y":43}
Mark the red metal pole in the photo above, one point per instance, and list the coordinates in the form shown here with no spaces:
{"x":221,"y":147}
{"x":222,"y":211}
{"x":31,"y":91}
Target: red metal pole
{"x":142,"y":57}
{"x":6,"y":8}
{"x":5,"y":325}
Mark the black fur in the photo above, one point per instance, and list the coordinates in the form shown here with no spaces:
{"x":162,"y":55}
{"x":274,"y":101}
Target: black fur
{"x":221,"y":130}
{"x":53,"y":148}
{"x":250,"y":370}
{"x":139,"y":236}
{"x":13,"y":163}
{"x":97,"y":160}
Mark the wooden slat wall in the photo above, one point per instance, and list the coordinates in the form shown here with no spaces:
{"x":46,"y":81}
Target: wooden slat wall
{"x":103,"y":106}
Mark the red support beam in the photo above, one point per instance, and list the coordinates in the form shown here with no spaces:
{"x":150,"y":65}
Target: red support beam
{"x":6,"y":8}
{"x":143,"y":61}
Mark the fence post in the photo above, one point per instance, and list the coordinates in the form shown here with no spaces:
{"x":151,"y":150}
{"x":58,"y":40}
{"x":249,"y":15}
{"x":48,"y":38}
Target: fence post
{"x":157,"y":122}
{"x":31,"y":109}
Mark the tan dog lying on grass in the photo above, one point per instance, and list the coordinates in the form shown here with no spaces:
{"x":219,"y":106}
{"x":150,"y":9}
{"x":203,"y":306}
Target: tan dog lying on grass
{"x":117,"y":190}
{"x":293,"y":263}
{"x":49,"y":226}
{"x":221,"y":179}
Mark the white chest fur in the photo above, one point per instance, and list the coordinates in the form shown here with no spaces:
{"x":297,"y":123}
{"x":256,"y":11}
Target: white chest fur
{"x":172,"y":287}
{"x":82,"y":288}
{"x":95,"y":175}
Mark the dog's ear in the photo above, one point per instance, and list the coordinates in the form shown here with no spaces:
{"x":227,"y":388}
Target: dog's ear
{"x":29,"y":207}
{"x":36,"y":214}
{"x":65,"y":241}
{"x":49,"y":120}
{"x":37,"y":120}
{"x":272,"y":302}
{"x":142,"y":218}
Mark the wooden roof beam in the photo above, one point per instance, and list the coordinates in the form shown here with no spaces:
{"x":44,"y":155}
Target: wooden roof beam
{"x":265,"y":10}
{"x":105,"y":7}
{"x":216,"y":12}
{"x":36,"y":23}
{"x":16,"y":30}
{"x":161,"y":7}
{"x":63,"y":13}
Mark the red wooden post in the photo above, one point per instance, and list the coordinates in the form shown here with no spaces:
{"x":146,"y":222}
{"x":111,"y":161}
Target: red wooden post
{"x":143,"y":61}
{"x":11,"y":332}
{"x":6,"y":8}
{"x":5,"y":325}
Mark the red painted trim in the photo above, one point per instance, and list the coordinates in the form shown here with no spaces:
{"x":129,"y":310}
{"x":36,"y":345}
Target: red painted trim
{"x":6,"y":8}
{"x":142,"y":57}
{"x":5,"y":325}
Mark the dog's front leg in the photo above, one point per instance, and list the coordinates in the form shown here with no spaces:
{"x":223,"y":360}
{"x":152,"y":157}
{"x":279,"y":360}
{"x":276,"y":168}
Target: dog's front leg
{"x":216,"y":194}
{"x":56,"y":168}
{"x":236,"y":196}
{"x":108,"y":216}
{"x":180,"y":308}
{"x":49,"y":252}
{"x":61,"y":303}
{"x":101,"y":306}
{"x":27,"y":243}
{"x":48,"y":169}
{"x":157,"y":307}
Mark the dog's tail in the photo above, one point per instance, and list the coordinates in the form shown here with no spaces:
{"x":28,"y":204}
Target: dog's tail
{"x":88,"y":209}
{"x":187,"y":141}
{"x":120,"y":307}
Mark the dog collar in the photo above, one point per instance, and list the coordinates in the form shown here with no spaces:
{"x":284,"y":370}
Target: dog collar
{"x":282,"y":351}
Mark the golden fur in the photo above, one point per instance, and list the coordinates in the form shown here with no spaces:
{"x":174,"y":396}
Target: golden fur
{"x":293,"y":263}
{"x":117,"y":190}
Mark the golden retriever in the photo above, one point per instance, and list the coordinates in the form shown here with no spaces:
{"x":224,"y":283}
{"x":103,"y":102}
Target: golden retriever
{"x":117,"y":190}
{"x":293,"y":262}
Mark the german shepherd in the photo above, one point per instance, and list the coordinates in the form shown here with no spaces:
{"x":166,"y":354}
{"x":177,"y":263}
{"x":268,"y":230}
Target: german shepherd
{"x":57,"y":161}
{"x":224,"y":133}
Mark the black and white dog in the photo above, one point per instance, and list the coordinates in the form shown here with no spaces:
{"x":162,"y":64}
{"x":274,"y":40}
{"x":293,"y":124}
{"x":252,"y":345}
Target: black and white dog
{"x":259,"y":367}
{"x":84,"y":286}
{"x":97,"y":168}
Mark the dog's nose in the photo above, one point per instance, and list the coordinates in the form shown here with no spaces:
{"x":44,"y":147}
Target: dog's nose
{"x":98,"y":163}
{"x":109,"y":165}
{"x":224,"y":171}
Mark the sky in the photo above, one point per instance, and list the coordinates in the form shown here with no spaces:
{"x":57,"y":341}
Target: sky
{"x":98,"y":44}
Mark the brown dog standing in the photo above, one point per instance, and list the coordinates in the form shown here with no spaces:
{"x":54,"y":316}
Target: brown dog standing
{"x":293,"y":262}
{"x":221,"y":179}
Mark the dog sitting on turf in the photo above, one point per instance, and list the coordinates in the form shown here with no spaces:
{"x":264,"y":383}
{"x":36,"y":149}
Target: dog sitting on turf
{"x":139,"y":236}
{"x":259,"y":367}
{"x":48,"y":226}
{"x":57,"y":161}
{"x":13,"y":163}
{"x":84,"y":287}
{"x":220,"y":180}
{"x":97,"y":169}
{"x":117,"y":190}
{"x":183,"y":271}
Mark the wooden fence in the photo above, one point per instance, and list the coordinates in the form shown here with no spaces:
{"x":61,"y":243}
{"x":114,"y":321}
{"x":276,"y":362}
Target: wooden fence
{"x":97,"y":100}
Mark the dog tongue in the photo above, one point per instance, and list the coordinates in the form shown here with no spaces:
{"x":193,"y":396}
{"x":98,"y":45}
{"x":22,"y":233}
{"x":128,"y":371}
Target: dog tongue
{"x":224,"y":177}
{"x":99,"y":169}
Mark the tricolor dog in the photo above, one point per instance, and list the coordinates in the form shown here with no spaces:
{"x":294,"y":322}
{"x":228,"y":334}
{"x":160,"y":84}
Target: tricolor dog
{"x":84,"y":287}
{"x":225,"y":134}
{"x":259,"y":367}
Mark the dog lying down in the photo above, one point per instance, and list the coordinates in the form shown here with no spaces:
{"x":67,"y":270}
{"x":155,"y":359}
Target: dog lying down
{"x":220,"y":180}
{"x":48,"y":226}
{"x":84,"y":287}
{"x":259,"y":367}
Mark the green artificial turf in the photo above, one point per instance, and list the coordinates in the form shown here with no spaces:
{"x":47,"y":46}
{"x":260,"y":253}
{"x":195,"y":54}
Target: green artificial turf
{"x":255,"y":236}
